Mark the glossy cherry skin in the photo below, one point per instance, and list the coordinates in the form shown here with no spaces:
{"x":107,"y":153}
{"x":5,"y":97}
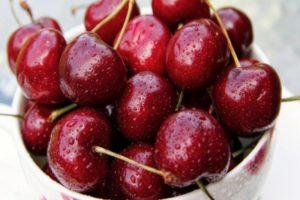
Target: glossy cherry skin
{"x":133,"y":182}
{"x":37,"y":67}
{"x":144,"y":44}
{"x":99,"y":10}
{"x":179,"y":11}
{"x":70,"y":153}
{"x":37,"y":128}
{"x":191,"y":144}
{"x":239,"y":28}
{"x":91,"y":72}
{"x":244,"y":62}
{"x":248,"y":99}
{"x":147,"y":100}
{"x":18,"y":39}
{"x":196,"y":54}
{"x":47,"y":170}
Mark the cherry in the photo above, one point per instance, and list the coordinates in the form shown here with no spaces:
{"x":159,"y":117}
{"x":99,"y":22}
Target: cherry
{"x":243,"y":62}
{"x":37,"y":67}
{"x":144,"y":44}
{"x":28,"y":105}
{"x":239,"y":28}
{"x":70,"y":154}
{"x":191,"y":144}
{"x":136,"y":183}
{"x":19,"y":37}
{"x":179,"y":11}
{"x":147,"y":100}
{"x":247,"y":99}
{"x":196,"y":54}
{"x":91,"y":72}
{"x":36,"y":128}
{"x":47,"y":170}
{"x":99,"y":10}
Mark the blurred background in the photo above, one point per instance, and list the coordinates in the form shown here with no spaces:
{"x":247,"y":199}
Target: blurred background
{"x":276,"y":23}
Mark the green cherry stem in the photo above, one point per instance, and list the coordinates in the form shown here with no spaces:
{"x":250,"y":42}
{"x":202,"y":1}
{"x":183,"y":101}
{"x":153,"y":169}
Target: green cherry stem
{"x":111,"y":16}
{"x":204,"y":189}
{"x":245,"y":148}
{"x":230,"y":46}
{"x":58,"y":113}
{"x":27,"y":8}
{"x":13,"y":11}
{"x":12,"y":115}
{"x":179,"y":102}
{"x":128,"y":16}
{"x":168,"y":177}
{"x":291,"y":99}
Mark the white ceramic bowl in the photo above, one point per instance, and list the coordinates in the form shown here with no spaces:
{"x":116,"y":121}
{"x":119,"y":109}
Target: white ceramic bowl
{"x":244,"y":182}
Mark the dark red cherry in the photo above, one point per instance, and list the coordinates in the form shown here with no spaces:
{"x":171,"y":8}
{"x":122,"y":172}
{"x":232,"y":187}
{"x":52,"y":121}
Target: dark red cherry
{"x":144,"y":44}
{"x":37,"y":67}
{"x":91,"y":72}
{"x":179,"y":11}
{"x":239,"y":28}
{"x":147,"y":100}
{"x":134,"y":182}
{"x":28,"y":104}
{"x":70,"y":153}
{"x":191,"y":144}
{"x":99,"y":10}
{"x":196,"y":54}
{"x":247,"y":99}
{"x":18,"y":39}
{"x":47,"y":170}
{"x":244,"y":62}
{"x":36,"y":128}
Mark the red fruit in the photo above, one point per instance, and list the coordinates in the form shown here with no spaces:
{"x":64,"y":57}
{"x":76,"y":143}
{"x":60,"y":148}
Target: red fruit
{"x":133,"y":182}
{"x":239,"y":28}
{"x":144,"y":44}
{"x":18,"y":39}
{"x":247,"y":99}
{"x":99,"y":10}
{"x":191,"y":144}
{"x":28,"y":104}
{"x":244,"y":62}
{"x":37,"y":67}
{"x":36,"y":128}
{"x":70,"y":153}
{"x":179,"y":11}
{"x":91,"y":72}
{"x":147,"y":100}
{"x":196,"y":54}
{"x":48,"y":171}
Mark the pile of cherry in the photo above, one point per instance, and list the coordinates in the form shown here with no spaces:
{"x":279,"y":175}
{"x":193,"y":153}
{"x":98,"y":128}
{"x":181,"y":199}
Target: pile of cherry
{"x":169,"y":101}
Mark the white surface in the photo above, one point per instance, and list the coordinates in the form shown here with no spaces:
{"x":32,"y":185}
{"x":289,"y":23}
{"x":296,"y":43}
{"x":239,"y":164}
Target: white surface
{"x":282,"y":182}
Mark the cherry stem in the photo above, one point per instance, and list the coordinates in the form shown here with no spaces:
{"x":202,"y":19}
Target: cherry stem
{"x":14,"y":13}
{"x":167,"y":176}
{"x":58,"y":113}
{"x":204,"y":189}
{"x":74,"y":9}
{"x":231,"y":48}
{"x":128,"y":16}
{"x":27,"y":8}
{"x":291,"y":99}
{"x":245,"y":148}
{"x":109,"y":17}
{"x":12,"y":115}
{"x":180,"y":99}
